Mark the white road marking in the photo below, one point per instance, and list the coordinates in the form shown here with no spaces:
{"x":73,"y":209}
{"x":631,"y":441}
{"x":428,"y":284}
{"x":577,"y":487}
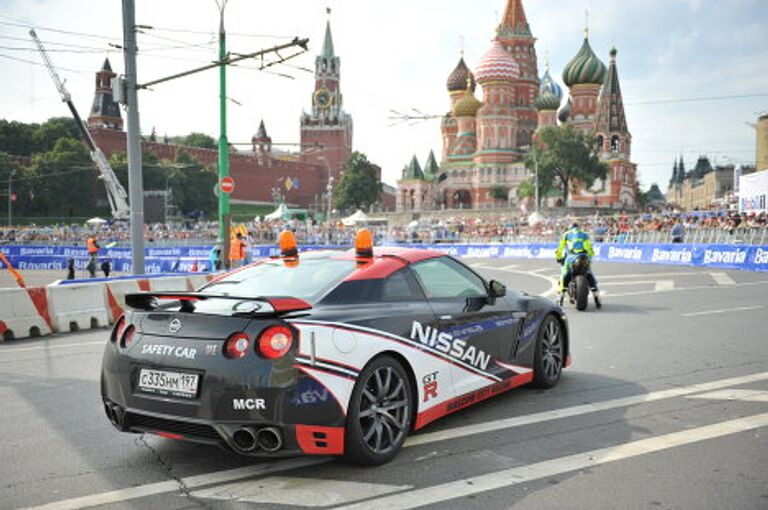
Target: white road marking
{"x":218,"y":477}
{"x":515,"y":476}
{"x":699,"y":287}
{"x":307,"y":492}
{"x":664,"y":285}
{"x":722,"y":310}
{"x":552,"y":281}
{"x":745,"y":395}
{"x":191,"y":482}
{"x":647,"y":275}
{"x":566,"y":412}
{"x":722,"y":278}
{"x":511,"y":266}
{"x":46,"y":347}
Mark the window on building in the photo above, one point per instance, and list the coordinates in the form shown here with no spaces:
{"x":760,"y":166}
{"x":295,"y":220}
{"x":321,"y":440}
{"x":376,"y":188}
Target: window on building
{"x":615,"y":143}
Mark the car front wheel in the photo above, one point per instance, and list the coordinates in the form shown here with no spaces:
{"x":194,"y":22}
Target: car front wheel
{"x":380,"y":412}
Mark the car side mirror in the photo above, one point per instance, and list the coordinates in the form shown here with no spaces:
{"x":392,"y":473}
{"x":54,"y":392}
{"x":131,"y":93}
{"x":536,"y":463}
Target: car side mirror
{"x":497,"y":289}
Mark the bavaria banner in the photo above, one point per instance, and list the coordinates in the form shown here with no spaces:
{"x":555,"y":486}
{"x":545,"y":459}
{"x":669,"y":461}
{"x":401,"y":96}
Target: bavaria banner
{"x":188,"y":259}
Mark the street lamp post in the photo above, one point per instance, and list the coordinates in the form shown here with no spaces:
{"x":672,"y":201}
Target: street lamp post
{"x":10,"y":196}
{"x":329,"y":191}
{"x":535,"y":179}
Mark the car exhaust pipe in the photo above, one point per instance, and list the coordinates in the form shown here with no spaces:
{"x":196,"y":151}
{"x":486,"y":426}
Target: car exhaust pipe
{"x":245,"y":439}
{"x":269,"y":439}
{"x":115,"y":414}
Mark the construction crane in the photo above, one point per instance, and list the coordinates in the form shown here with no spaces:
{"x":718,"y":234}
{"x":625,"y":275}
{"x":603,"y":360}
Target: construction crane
{"x":118,"y":198}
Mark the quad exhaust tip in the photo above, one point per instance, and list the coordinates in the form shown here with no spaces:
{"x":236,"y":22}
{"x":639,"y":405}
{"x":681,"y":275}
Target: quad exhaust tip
{"x":269,"y":439}
{"x":248,"y":439}
{"x":115,"y":414}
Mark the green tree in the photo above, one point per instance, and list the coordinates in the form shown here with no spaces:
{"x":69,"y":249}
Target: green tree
{"x":359,"y":187}
{"x":200,"y":140}
{"x":499,"y":192}
{"x":525,"y":190}
{"x":565,"y":155}
{"x":16,"y":137}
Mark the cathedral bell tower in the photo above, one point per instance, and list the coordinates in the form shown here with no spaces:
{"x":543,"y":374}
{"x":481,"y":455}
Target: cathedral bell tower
{"x":326,"y":132}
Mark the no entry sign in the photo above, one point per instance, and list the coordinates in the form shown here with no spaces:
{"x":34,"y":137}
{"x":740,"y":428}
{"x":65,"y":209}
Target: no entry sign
{"x":227,"y":185}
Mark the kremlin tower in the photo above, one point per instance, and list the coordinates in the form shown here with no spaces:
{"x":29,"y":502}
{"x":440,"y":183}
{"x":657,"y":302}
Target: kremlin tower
{"x":484,"y":143}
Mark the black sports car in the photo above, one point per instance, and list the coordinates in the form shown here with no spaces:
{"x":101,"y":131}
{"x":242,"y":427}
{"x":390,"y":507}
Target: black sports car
{"x":326,"y":354}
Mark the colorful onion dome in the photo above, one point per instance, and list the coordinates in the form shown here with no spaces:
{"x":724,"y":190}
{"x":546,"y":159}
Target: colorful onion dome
{"x":497,"y":65}
{"x":550,"y":93}
{"x":467,"y":106}
{"x":457,"y":80}
{"x":584,"y":68}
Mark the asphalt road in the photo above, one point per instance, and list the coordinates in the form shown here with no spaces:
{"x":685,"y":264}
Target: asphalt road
{"x":665,"y":406}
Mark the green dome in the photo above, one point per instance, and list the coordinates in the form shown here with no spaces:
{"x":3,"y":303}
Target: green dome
{"x":584,"y":68}
{"x":547,"y":101}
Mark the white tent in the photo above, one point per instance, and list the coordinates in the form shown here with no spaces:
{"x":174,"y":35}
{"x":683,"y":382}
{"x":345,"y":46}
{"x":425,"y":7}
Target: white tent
{"x":358,"y":217}
{"x":278,"y":214}
{"x":96,"y":221}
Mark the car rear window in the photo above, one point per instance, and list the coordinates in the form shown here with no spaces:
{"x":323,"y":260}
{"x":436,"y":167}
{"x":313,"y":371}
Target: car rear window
{"x":308,"y":280}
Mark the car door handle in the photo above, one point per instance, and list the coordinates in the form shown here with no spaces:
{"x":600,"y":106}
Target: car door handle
{"x":446,"y":317}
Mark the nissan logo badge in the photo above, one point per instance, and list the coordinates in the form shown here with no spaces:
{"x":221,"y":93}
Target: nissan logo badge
{"x":174,"y":326}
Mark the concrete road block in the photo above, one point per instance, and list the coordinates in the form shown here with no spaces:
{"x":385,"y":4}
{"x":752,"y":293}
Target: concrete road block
{"x":24,"y":313}
{"x":78,"y":306}
{"x":114,"y":296}
{"x":171,"y":283}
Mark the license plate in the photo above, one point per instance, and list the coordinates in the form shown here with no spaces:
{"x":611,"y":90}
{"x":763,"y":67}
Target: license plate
{"x":168,"y":383}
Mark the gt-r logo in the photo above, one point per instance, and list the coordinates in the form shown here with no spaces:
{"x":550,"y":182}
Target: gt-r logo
{"x":250,"y":404}
{"x":430,"y":386}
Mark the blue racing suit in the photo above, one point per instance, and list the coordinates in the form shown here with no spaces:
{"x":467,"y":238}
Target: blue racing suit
{"x":574,"y":242}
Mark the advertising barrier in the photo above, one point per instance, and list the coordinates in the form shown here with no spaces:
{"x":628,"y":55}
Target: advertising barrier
{"x":194,"y":259}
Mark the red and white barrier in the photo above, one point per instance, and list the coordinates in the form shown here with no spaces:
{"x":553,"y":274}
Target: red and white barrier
{"x":24,"y":313}
{"x":77,"y":307}
{"x":114,"y":295}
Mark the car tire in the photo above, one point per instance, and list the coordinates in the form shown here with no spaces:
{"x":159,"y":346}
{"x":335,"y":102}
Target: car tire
{"x":550,"y":353}
{"x":380,"y":413}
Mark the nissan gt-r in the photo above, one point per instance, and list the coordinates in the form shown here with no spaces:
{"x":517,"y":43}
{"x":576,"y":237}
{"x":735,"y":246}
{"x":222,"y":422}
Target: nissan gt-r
{"x":329,"y":353}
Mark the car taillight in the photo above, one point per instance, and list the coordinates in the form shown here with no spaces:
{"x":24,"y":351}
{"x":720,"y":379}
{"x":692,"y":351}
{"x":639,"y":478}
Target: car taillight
{"x":119,"y":327}
{"x":275,"y":341}
{"x":127,"y":338}
{"x":237,"y":345}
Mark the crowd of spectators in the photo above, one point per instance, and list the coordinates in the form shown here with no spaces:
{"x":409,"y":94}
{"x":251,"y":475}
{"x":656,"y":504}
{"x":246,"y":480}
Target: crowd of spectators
{"x":651,"y":227}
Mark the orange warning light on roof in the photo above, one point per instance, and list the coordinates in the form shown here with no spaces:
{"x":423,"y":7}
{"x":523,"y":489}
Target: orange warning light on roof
{"x":287,"y":242}
{"x":364,"y":243}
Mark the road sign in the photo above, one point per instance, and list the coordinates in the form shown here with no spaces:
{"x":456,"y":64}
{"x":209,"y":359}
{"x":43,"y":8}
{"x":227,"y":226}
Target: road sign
{"x":14,"y":197}
{"x":227,"y":185}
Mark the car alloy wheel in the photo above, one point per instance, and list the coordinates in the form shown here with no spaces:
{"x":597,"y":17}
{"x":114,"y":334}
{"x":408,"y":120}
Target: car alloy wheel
{"x":380,"y":413}
{"x":550,"y":348}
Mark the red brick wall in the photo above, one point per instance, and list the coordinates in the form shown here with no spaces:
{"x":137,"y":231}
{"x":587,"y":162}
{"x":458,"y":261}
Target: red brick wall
{"x":254,"y":179}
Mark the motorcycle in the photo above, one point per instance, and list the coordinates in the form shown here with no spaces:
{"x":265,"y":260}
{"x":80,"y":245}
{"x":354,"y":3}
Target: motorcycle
{"x":578,"y":286}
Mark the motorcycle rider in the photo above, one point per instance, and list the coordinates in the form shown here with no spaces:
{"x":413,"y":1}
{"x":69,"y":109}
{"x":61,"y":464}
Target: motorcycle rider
{"x":573,"y":243}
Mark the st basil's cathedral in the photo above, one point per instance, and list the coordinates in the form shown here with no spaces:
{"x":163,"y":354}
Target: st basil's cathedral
{"x":485,"y":142}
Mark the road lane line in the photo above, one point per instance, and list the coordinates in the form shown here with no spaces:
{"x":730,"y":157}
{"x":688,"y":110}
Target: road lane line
{"x":664,"y":285}
{"x":153,"y":489}
{"x":648,"y":275}
{"x":722,"y":310}
{"x":307,"y":492}
{"x":745,"y":395}
{"x":218,"y":477}
{"x":567,"y":412}
{"x":522,"y":474}
{"x":722,"y":278}
{"x":46,"y":347}
{"x":699,"y":287}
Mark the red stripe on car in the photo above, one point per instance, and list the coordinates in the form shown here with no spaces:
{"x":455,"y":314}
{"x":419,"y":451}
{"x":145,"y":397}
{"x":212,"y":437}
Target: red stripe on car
{"x":473,"y":397}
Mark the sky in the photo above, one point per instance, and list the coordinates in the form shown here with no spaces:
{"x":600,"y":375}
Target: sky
{"x":674,"y":58}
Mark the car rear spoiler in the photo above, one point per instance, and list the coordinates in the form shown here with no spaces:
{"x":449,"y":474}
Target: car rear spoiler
{"x":261,"y":305}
